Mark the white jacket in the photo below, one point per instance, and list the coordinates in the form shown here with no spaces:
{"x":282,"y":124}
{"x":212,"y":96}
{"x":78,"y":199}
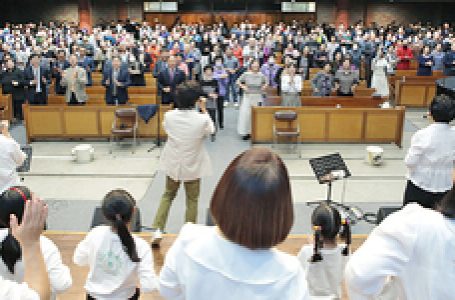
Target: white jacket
{"x":184,"y":156}
{"x":11,"y":157}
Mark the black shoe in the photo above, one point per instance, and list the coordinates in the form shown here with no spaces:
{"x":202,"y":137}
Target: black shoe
{"x":246,"y":137}
{"x":221,"y":127}
{"x":212,"y":138}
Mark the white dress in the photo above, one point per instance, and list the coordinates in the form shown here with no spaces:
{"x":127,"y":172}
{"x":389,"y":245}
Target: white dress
{"x":379,"y":81}
{"x":252,"y":97}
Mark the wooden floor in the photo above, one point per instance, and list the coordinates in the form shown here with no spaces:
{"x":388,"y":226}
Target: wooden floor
{"x":67,"y":242}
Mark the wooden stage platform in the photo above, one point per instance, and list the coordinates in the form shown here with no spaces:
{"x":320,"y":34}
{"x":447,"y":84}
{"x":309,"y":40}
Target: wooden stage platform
{"x":67,"y":241}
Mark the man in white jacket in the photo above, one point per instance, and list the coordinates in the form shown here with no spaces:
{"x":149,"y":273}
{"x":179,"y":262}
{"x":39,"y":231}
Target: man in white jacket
{"x":184,"y":158}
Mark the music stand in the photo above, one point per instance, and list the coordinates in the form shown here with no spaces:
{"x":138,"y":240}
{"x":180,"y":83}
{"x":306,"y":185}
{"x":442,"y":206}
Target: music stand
{"x":324,"y":168}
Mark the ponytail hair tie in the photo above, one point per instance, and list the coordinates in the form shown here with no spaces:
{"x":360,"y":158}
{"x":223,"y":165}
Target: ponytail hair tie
{"x":21,"y":193}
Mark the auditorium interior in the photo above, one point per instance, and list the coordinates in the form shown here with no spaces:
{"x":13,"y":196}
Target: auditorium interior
{"x":74,"y":161}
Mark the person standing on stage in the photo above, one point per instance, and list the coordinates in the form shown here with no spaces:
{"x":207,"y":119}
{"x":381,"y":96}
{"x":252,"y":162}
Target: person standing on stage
{"x":184,"y":158}
{"x":431,"y":157}
{"x":253,"y":83}
{"x":75,"y":79}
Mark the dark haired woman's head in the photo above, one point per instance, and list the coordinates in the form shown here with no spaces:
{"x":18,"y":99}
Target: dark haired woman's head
{"x":118,"y":208}
{"x":252,"y":203}
{"x":12,"y":202}
{"x":442,"y":109}
{"x":327,"y":222}
{"x":187,"y":94}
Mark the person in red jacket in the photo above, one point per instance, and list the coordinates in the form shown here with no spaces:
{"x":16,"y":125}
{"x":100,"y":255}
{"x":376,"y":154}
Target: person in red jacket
{"x":404,"y":54}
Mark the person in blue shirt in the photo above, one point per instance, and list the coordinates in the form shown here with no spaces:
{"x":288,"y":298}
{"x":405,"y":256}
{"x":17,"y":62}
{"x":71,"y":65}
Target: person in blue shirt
{"x":438,"y":58}
{"x":425,"y":63}
{"x":87,"y":63}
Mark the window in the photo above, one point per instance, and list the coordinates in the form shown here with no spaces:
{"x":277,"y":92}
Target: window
{"x":298,"y":7}
{"x":160,"y":6}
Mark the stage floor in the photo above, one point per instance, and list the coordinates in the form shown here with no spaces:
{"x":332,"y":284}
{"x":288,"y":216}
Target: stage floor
{"x":75,"y":190}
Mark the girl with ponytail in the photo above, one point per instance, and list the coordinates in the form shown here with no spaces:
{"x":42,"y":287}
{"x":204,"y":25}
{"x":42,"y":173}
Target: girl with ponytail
{"x":121,"y":264}
{"x":12,"y":202}
{"x":324,"y":261}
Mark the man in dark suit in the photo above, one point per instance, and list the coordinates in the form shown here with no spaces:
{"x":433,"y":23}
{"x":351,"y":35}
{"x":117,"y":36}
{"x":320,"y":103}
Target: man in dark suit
{"x":12,"y":80}
{"x":169,"y":79}
{"x":449,"y":62}
{"x":57,"y":70}
{"x":116,"y":79}
{"x":37,"y":80}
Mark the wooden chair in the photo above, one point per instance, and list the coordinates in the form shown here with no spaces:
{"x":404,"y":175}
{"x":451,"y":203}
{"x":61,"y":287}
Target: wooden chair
{"x":125,"y":124}
{"x":284,"y":126}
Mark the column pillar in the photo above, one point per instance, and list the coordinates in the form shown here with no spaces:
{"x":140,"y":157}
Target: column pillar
{"x":342,"y":12}
{"x":85,"y":15}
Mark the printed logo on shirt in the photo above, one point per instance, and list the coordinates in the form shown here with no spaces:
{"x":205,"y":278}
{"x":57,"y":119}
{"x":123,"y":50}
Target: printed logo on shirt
{"x":109,"y":262}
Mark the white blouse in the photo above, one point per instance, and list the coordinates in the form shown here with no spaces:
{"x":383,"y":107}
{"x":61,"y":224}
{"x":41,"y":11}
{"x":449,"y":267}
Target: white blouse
{"x":324,"y":277}
{"x":14,"y":291}
{"x":59,"y":274}
{"x":11,"y":157}
{"x":430,"y":159}
{"x":203,"y":265}
{"x":291,"y":87}
{"x":415,"y":246}
{"x":112,"y":273}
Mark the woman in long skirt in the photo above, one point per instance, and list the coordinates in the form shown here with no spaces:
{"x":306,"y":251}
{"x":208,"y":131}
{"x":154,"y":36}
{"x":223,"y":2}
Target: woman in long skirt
{"x":379,"y":81}
{"x":291,"y":86}
{"x":253,"y":84}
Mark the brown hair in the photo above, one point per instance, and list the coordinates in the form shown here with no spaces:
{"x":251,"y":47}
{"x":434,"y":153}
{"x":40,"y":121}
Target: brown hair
{"x":252,"y":203}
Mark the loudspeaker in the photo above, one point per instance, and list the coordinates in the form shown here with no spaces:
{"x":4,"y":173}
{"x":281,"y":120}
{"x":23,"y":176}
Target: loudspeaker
{"x":99,"y":219}
{"x":384,"y":211}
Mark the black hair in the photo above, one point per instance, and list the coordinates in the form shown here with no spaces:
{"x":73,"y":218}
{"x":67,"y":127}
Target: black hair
{"x":327,"y":224}
{"x":442,"y":109}
{"x":208,"y":67}
{"x":447,"y":205}
{"x":118,"y":207}
{"x":186,"y":94}
{"x":12,"y":202}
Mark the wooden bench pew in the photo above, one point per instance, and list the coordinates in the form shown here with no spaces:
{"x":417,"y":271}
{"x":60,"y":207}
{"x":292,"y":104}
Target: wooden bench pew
{"x":334,"y":125}
{"x":149,"y":79}
{"x":6,"y":107}
{"x":81,"y":122}
{"x":132,"y":90}
{"x":332,"y":101}
{"x":99,"y":99}
{"x":414,"y":93}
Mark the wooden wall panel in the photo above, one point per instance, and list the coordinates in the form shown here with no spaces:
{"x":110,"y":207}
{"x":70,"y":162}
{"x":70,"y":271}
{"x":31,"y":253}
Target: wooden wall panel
{"x":230,"y":17}
{"x":80,"y":121}
{"x":45,"y":122}
{"x":345,"y":126}
{"x":313,"y":126}
{"x":381,"y":126}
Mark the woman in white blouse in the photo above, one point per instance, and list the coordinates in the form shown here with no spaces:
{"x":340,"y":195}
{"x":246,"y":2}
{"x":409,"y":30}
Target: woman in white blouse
{"x":291,"y":86}
{"x":28,"y":233}
{"x":11,"y":157}
{"x":121,"y":264}
{"x":12,"y":201}
{"x":237,"y":259}
{"x":414,"y":246}
{"x":430,"y":159}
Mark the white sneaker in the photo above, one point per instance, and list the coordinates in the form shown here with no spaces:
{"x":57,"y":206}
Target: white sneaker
{"x":157,"y":236}
{"x":236,"y":104}
{"x":226,"y":103}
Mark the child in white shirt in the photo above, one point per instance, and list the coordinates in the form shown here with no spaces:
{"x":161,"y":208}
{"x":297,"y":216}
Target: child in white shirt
{"x":324,"y":261}
{"x":12,"y":201}
{"x":119,"y":262}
